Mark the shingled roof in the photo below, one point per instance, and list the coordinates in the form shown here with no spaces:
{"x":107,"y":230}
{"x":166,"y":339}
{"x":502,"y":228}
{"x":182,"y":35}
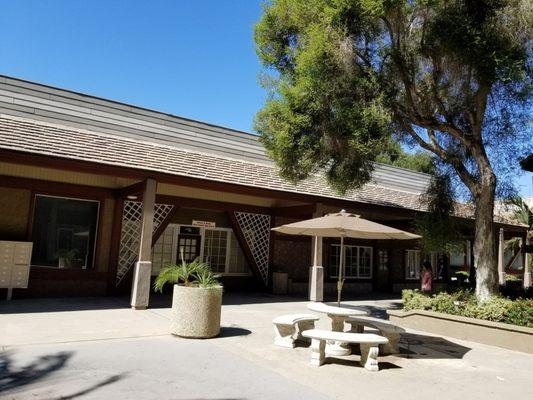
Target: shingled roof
{"x":37,"y":137}
{"x":42,"y":138}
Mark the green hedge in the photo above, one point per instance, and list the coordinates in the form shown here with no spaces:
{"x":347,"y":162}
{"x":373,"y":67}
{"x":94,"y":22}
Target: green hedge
{"x":464,"y":303}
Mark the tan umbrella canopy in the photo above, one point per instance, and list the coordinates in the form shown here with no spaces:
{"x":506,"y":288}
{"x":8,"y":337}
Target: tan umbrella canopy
{"x":343,"y":224}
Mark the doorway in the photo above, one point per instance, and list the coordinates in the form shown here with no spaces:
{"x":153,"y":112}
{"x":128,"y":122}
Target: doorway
{"x":382,"y":281}
{"x":189,"y":243}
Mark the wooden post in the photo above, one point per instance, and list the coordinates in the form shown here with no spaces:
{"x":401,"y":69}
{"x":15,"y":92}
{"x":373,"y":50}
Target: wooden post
{"x":501,"y":265}
{"x":143,"y":267}
{"x":526,"y":282}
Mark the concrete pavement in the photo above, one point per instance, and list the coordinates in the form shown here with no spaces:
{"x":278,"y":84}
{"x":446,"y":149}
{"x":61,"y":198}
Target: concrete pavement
{"x":100,"y":349}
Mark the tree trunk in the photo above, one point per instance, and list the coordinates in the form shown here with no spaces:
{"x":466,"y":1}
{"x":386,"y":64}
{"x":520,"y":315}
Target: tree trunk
{"x":484,"y":241}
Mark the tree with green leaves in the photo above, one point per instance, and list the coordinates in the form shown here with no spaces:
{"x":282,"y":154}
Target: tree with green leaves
{"x":393,"y":154}
{"x":450,"y":76}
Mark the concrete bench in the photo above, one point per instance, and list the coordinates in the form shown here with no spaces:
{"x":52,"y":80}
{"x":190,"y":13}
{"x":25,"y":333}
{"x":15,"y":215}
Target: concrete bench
{"x":390,"y":331}
{"x":289,"y":328}
{"x":369,"y":345}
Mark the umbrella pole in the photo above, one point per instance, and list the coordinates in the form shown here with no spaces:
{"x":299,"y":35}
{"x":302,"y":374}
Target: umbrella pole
{"x":341,"y":272}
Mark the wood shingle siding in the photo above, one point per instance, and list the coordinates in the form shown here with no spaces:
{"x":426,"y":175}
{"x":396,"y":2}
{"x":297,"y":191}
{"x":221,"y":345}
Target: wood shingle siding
{"x":23,"y":135}
{"x":63,"y":107}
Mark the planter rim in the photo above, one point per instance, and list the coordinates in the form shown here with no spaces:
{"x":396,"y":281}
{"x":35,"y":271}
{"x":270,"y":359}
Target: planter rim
{"x":217,"y":287}
{"x":459,"y":318}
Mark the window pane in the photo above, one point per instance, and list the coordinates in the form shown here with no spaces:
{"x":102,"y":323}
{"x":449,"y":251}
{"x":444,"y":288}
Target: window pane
{"x":357,"y":261}
{"x":64,"y":232}
{"x":334,"y":260}
{"x":215,"y":249}
{"x":365,"y":262}
{"x":237,"y":260}
{"x":350,"y":260}
{"x":412,"y":264}
{"x":162,"y":251}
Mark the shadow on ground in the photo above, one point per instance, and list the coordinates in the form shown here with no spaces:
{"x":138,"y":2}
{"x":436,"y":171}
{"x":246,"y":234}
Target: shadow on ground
{"x":230,"y":331}
{"x":418,"y":346}
{"x":92,"y":388}
{"x":14,"y":379}
{"x":355,"y":363}
{"x":157,"y":300}
{"x":21,"y":306}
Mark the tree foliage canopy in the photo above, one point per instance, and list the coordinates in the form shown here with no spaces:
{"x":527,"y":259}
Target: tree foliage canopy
{"x":452,"y":76}
{"x":420,"y":161}
{"x":438,"y":227}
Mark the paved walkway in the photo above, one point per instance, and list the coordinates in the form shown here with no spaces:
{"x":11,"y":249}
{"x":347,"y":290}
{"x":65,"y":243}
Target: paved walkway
{"x":101,"y":349}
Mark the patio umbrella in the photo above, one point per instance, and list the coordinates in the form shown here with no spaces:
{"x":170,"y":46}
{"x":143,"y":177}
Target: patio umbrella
{"x":343,"y":224}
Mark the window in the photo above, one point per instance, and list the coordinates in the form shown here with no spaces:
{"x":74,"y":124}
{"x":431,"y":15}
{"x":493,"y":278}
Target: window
{"x":412,"y":264}
{"x":219,"y":248}
{"x":163,"y":253}
{"x":189,"y":242}
{"x":64,"y":232}
{"x":383,"y":260}
{"x":414,"y":260}
{"x":357,"y":261}
{"x":460,"y":259}
{"x":215,"y":249}
{"x":237,"y":260}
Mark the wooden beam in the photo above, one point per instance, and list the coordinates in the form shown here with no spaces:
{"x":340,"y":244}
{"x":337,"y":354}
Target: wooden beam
{"x":164,"y":224}
{"x":58,"y":163}
{"x":135,"y":173}
{"x":303,"y":211}
{"x":513,"y":259}
{"x":55,"y":188}
{"x":187,"y":202}
{"x":245,"y":247}
{"x":140,"y":293}
{"x":148,"y":211}
{"x":135,"y":189}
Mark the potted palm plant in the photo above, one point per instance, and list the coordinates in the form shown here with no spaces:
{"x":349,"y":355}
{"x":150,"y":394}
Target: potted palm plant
{"x":196,"y":300}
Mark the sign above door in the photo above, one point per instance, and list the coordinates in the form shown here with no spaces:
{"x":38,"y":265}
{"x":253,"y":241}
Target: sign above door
{"x":204,"y":224}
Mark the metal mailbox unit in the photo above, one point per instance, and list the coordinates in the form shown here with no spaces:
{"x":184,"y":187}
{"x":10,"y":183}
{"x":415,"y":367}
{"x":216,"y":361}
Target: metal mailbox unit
{"x":15,"y":258}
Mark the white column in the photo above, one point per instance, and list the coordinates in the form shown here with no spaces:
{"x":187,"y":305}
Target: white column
{"x":143,"y":268}
{"x":316,"y":272}
{"x":527,"y":271}
{"x":501,"y":264}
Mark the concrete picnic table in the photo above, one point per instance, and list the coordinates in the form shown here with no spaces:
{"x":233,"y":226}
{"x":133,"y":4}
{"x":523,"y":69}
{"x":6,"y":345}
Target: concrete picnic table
{"x":337,"y":315}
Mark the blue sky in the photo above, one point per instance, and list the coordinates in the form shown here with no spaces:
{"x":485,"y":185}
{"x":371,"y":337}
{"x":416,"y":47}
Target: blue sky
{"x":195,"y":59}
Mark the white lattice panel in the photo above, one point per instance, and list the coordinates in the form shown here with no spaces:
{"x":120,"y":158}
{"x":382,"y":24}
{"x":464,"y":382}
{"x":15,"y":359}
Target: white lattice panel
{"x":256,"y":231}
{"x":130,"y":235}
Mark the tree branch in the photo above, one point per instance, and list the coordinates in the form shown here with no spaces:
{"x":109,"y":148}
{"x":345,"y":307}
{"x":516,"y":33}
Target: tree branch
{"x":434,"y":147}
{"x":481,"y":106}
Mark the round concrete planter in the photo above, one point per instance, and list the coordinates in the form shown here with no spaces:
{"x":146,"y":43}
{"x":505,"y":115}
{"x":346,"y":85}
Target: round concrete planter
{"x":196,"y":312}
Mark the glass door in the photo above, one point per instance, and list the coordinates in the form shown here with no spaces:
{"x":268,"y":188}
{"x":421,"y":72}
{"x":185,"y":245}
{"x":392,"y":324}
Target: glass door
{"x":189,"y":241}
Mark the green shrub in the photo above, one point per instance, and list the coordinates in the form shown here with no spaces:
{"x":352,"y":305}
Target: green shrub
{"x":443,"y":302}
{"x":464,"y":303}
{"x":520,"y":312}
{"x":493,"y":309}
{"x":415,"y":300}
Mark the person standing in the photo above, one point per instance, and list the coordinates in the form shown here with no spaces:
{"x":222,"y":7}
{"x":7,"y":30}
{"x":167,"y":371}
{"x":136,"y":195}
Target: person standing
{"x":427,"y":277}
